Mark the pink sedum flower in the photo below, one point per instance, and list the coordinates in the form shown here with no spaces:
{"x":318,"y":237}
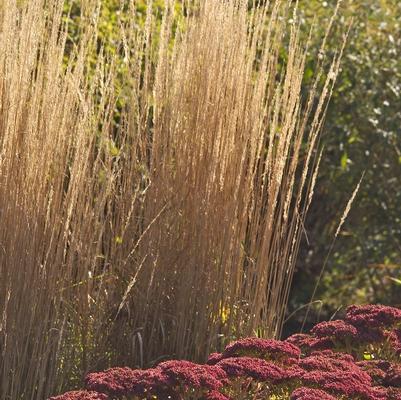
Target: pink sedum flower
{"x":305,"y":393}
{"x":214,"y":358}
{"x":373,"y":316}
{"x":338,"y":373}
{"x":301,"y":340}
{"x":334,"y":355}
{"x":338,"y":329}
{"x":342,"y":383}
{"x":193,"y":375}
{"x":81,"y":395}
{"x":274,"y":350}
{"x":320,"y":344}
{"x":258,"y":369}
{"x":120,"y":382}
{"x":332,"y":362}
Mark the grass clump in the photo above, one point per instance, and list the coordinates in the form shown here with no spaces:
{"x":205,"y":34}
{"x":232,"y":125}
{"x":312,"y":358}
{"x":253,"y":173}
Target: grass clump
{"x":152,"y":197}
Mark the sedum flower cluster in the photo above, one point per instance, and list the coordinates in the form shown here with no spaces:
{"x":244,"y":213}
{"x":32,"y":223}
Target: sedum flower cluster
{"x":358,"y":358}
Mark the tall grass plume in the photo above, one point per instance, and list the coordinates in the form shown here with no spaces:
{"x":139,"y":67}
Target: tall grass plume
{"x":152,"y":197}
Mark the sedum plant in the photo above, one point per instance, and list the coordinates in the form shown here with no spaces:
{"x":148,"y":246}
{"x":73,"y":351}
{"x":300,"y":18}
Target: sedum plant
{"x":358,"y":358}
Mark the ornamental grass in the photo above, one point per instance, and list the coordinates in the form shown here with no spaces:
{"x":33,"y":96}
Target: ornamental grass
{"x":348,"y":366}
{"x":153,"y":189}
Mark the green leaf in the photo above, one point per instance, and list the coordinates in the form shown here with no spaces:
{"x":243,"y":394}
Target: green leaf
{"x":368,"y":356}
{"x":344,"y":161}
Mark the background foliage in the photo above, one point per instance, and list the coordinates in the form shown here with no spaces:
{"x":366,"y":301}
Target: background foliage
{"x":361,"y":135}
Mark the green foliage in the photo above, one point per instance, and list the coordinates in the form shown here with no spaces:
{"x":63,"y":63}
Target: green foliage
{"x":362,"y":134}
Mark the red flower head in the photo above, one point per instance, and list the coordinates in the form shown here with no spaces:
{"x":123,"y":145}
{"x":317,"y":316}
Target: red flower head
{"x":258,"y":369}
{"x":81,"y":395}
{"x":373,"y":316}
{"x":336,"y":372}
{"x":334,"y":355}
{"x":305,"y":393}
{"x":214,"y":358}
{"x":328,"y":361}
{"x":343,"y":383}
{"x":188,"y":374}
{"x":301,"y":341}
{"x":320,"y":344}
{"x":129,"y":382}
{"x":270,"y":349}
{"x":339,"y":330}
